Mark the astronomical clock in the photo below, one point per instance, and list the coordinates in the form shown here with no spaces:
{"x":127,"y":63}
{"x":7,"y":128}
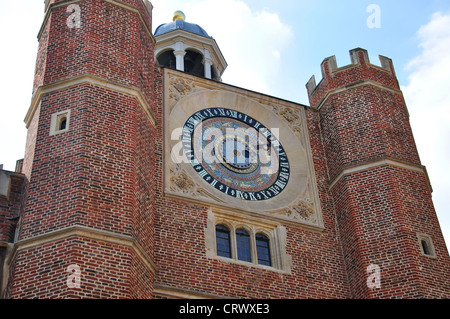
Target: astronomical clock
{"x":232,"y":149}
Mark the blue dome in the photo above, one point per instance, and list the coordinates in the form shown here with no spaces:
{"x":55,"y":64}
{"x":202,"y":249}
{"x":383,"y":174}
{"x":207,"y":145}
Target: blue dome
{"x":182,"y":25}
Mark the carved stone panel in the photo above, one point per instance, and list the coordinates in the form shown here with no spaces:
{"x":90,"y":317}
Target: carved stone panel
{"x":186,"y":96}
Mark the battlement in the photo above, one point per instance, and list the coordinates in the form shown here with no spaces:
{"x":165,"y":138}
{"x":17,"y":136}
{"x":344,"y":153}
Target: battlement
{"x":360,"y":70}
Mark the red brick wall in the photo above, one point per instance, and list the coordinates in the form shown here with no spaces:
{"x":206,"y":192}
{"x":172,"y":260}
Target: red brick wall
{"x":106,"y":270}
{"x":83,"y":176}
{"x":365,"y":123}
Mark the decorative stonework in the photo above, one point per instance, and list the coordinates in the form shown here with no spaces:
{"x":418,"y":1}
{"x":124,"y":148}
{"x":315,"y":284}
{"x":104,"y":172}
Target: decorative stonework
{"x":179,"y":88}
{"x":302,"y":211}
{"x":182,"y":184}
{"x":180,"y":181}
{"x":292,"y":118}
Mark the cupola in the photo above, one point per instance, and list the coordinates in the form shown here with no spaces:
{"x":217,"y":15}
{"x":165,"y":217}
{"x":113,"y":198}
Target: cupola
{"x":189,"y":48}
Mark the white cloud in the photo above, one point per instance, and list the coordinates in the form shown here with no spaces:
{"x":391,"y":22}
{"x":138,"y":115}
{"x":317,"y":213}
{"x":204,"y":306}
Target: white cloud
{"x":19,"y":26}
{"x":428,"y":98}
{"x":251,"y":42}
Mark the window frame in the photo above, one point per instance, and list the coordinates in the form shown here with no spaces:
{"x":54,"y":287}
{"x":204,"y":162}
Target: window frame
{"x":56,"y":121}
{"x":252,"y":233}
{"x":281,"y":262}
{"x":424,"y":238}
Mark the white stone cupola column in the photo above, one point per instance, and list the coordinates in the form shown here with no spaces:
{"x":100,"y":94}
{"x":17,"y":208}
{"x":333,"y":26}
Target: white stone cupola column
{"x":179,"y":52}
{"x":208,"y":63}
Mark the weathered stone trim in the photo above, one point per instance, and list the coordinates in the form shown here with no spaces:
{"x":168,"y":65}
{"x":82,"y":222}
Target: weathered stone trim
{"x":93,"y":80}
{"x":178,"y":293}
{"x":356,"y":85}
{"x":376,"y":163}
{"x":86,"y":232}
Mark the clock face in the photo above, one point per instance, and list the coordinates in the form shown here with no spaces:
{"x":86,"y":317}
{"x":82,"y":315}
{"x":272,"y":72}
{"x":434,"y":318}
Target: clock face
{"x":236,"y":154}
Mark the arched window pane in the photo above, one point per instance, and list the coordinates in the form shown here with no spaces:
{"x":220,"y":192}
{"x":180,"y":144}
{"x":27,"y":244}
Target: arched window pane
{"x":223,"y":241}
{"x":243,"y":245}
{"x":263,"y":250}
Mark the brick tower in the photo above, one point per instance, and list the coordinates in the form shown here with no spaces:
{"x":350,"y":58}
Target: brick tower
{"x":381,"y":192}
{"x":90,"y":132}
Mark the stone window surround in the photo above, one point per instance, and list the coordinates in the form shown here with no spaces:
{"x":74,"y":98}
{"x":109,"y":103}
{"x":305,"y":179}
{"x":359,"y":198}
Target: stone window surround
{"x":281,"y":262}
{"x":56,"y":121}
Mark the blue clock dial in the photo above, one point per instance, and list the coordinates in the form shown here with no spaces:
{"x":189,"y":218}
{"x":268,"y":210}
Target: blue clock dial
{"x":236,"y":154}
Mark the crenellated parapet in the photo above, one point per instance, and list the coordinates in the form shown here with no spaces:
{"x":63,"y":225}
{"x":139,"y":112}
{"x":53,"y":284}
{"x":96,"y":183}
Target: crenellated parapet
{"x":358,"y":72}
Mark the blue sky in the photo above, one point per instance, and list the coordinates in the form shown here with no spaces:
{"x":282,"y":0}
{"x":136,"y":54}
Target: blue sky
{"x":274,"y":47}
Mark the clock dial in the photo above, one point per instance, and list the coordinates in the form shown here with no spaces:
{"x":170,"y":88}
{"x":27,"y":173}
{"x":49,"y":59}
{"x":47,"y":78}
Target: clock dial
{"x":236,"y":154}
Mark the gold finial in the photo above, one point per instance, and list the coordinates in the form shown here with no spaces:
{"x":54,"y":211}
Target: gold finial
{"x":179,"y":15}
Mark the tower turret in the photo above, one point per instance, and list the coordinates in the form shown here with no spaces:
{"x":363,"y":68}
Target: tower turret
{"x":382,"y":196}
{"x":87,"y":228}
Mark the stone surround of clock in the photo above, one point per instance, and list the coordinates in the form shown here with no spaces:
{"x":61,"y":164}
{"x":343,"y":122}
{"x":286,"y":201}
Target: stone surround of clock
{"x":232,"y":178}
